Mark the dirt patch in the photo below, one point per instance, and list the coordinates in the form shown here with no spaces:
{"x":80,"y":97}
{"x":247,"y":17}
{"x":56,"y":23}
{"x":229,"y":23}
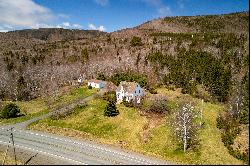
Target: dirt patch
{"x":154,"y":120}
{"x":61,"y":131}
{"x":241,"y":142}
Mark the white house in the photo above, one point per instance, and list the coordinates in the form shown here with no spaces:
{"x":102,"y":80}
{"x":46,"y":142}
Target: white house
{"x":80,"y":79}
{"x":97,"y":83}
{"x":129,"y":90}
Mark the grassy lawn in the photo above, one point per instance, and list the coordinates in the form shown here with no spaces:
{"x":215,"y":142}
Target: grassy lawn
{"x":90,"y":120}
{"x":126,"y":130}
{"x":41,"y":105}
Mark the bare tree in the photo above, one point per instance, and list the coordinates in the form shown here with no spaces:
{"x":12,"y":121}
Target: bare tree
{"x":184,"y":127}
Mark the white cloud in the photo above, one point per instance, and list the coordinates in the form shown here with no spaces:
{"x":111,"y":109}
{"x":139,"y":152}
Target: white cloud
{"x":23,"y":13}
{"x":100,"y":28}
{"x":162,"y":9}
{"x":66,"y":24}
{"x":19,"y":14}
{"x":77,"y":26}
{"x":102,"y":2}
{"x":4,"y":30}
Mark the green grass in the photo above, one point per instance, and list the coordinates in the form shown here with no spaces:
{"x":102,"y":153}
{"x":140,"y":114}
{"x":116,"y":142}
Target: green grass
{"x":39,"y":106}
{"x":124,"y":127}
{"x":65,"y":98}
{"x":90,"y":123}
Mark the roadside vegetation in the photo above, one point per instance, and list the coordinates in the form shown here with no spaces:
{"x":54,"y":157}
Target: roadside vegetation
{"x":42,"y":105}
{"x":138,"y":128}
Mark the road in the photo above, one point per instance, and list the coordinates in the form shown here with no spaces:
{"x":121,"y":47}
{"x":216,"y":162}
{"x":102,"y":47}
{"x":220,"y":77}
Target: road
{"x":72,"y":150}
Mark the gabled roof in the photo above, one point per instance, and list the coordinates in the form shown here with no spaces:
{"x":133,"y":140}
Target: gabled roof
{"x":127,"y":86}
{"x":95,"y":81}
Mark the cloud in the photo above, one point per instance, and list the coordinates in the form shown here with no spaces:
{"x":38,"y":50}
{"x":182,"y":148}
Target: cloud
{"x":23,"y":13}
{"x":102,"y":2}
{"x":100,"y":28}
{"x":162,"y":10}
{"x":20,"y":14}
{"x":65,"y":25}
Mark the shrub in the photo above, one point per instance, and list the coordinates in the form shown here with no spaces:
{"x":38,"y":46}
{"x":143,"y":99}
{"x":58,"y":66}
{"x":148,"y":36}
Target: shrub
{"x":244,"y":118}
{"x":152,"y":90}
{"x":111,"y":110}
{"x":136,"y":41}
{"x":89,"y":87}
{"x":110,"y":96}
{"x":128,"y":104}
{"x":159,"y":105}
{"x":220,"y":122}
{"x":10,"y":111}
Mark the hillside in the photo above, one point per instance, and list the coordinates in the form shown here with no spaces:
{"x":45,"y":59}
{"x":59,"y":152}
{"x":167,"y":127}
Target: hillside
{"x":38,"y":62}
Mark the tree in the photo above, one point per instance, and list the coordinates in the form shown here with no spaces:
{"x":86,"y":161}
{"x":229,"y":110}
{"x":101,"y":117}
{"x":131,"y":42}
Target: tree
{"x":136,"y":41}
{"x":10,"y":111}
{"x":101,"y":76}
{"x":184,"y":127}
{"x":111,"y":109}
{"x":84,"y":55}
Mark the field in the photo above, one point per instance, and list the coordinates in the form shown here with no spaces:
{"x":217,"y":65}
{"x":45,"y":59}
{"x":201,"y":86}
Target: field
{"x":149,"y":135}
{"x":39,"y":106}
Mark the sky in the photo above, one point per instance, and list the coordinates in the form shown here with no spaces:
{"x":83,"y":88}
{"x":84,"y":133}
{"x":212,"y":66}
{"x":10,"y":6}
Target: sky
{"x":104,"y":15}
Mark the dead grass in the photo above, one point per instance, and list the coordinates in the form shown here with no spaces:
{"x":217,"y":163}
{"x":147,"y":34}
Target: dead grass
{"x":145,"y":133}
{"x":41,"y":105}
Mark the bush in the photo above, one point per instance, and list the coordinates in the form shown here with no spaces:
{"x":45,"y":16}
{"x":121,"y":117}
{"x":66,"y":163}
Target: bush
{"x":244,"y":118}
{"x":89,"y":87}
{"x":111,"y":110}
{"x":128,"y":104}
{"x":110,"y":96}
{"x":159,"y":105}
{"x":10,"y":111}
{"x":220,"y":122}
{"x":136,"y":41}
{"x":152,"y":91}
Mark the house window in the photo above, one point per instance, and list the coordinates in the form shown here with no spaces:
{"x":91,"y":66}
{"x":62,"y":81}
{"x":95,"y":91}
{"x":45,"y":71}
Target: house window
{"x":135,"y":91}
{"x":139,"y":91}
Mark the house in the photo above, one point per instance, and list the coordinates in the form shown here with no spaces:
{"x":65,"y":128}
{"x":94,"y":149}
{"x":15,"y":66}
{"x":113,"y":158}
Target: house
{"x":129,"y":90}
{"x":97,"y":83}
{"x":80,"y":80}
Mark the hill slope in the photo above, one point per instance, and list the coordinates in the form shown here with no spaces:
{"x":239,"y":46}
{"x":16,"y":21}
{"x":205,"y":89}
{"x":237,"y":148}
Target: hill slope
{"x":36,"y":62}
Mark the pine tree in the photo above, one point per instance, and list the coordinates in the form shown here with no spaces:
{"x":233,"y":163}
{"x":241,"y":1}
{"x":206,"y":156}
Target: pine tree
{"x":111,"y":109}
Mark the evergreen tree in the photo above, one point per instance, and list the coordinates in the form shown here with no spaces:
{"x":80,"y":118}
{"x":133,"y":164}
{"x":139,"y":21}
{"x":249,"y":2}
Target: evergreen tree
{"x":111,"y":109}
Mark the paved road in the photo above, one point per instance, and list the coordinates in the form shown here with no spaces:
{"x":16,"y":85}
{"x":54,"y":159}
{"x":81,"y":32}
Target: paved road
{"x":73,"y":150}
{"x":69,"y":149}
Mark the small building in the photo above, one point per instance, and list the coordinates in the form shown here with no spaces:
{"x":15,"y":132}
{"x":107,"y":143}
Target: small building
{"x":99,"y":84}
{"x":80,"y":80}
{"x":130,"y":91}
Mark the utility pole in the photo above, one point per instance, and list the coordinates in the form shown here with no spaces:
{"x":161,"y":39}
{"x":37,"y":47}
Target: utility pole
{"x":10,"y":139}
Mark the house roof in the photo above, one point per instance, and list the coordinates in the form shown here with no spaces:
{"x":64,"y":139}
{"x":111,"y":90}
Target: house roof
{"x":95,"y":81}
{"x":127,"y":86}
